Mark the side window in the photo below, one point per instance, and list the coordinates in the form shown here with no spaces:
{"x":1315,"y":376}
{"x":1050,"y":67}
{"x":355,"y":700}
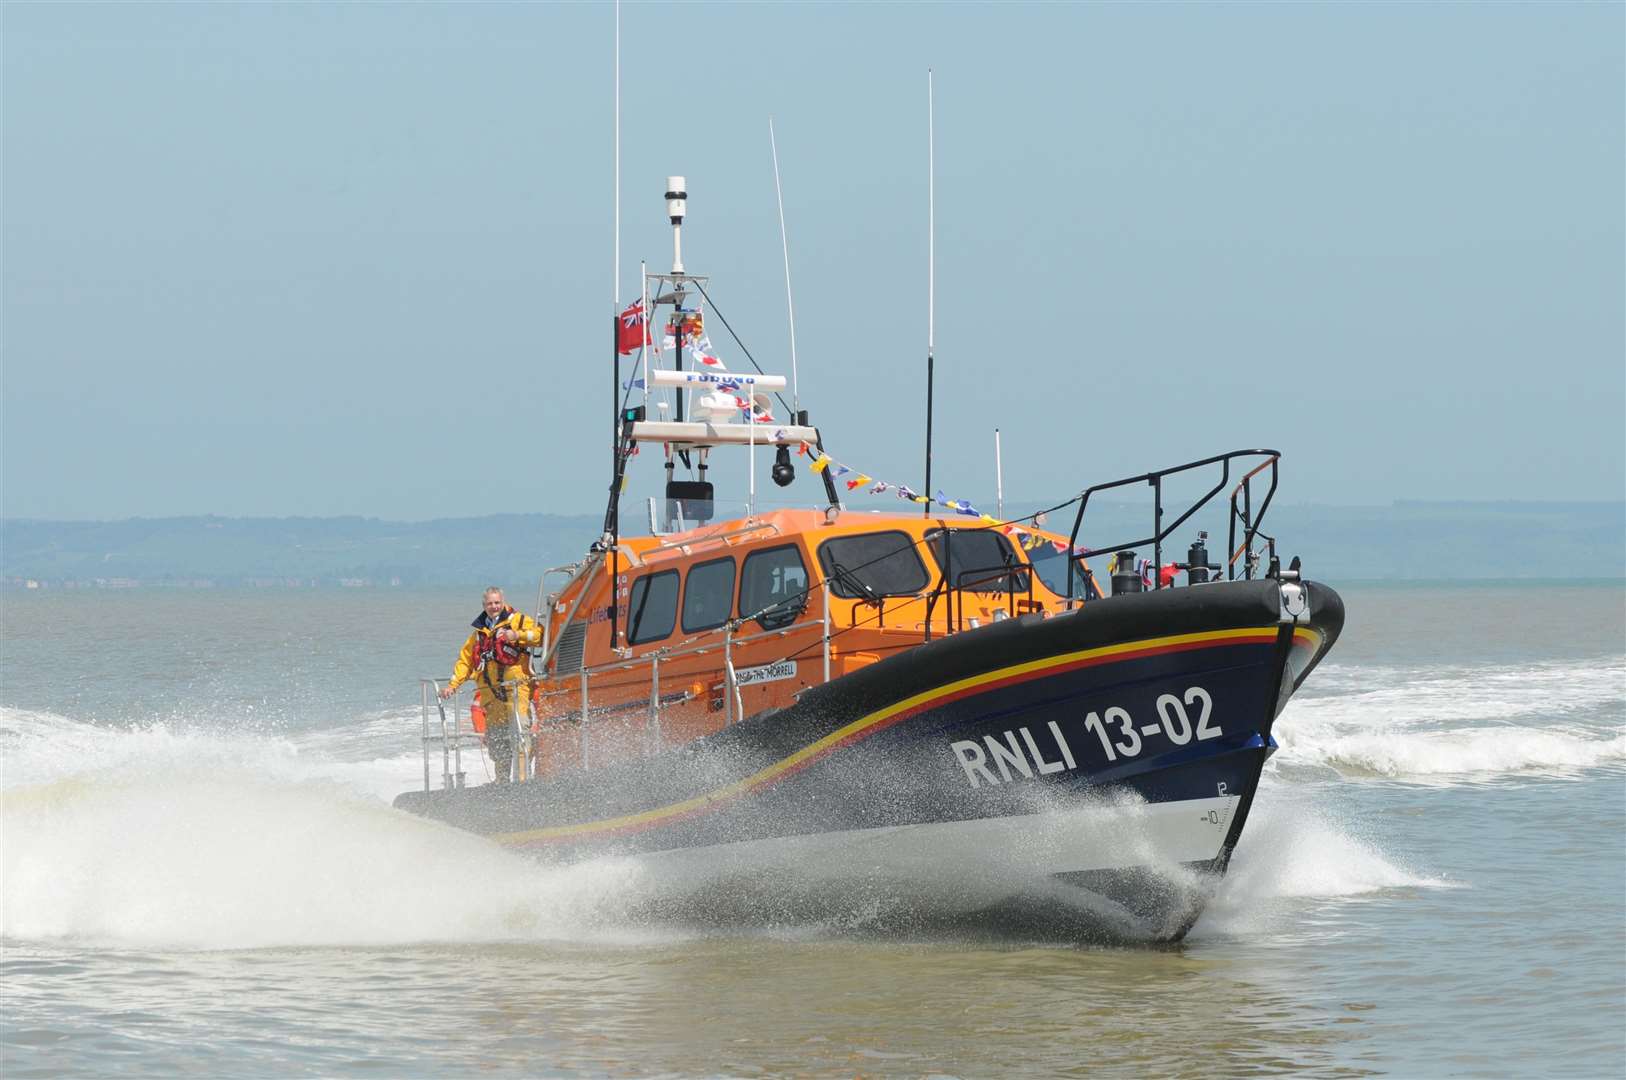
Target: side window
{"x":874,"y":564}
{"x":1051,"y":563}
{"x":976,"y":559}
{"x":773,"y":586}
{"x":708,"y":595}
{"x":652,"y":607}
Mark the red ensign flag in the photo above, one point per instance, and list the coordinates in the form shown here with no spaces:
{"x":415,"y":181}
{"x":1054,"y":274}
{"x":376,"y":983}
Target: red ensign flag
{"x":633,"y":333}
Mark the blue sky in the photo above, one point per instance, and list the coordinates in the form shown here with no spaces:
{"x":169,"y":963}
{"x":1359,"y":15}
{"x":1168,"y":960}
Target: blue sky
{"x":356,"y":259}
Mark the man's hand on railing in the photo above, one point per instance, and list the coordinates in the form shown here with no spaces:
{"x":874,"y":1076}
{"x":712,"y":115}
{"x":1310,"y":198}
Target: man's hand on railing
{"x":445,"y":692}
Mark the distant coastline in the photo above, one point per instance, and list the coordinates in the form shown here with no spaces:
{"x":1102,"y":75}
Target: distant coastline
{"x":1409,"y":540}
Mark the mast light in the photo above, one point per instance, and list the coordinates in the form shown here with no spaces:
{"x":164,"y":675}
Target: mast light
{"x":676,"y":199}
{"x":677,"y":205}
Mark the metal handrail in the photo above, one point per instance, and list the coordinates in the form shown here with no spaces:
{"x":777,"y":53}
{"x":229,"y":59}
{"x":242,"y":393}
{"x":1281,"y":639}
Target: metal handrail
{"x":545,"y":600}
{"x":451,"y":738}
{"x":586,"y":568}
{"x":669,"y":652}
{"x":694,"y":541}
{"x":1250,"y":522}
{"x":955,"y":591}
{"x":1007,"y":571}
{"x":1160,"y":531}
{"x":733,"y":699}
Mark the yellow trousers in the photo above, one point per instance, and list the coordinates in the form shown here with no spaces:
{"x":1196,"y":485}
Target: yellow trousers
{"x":506,"y":702}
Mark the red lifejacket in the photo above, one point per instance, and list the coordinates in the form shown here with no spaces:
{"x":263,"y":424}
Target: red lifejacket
{"x":505,"y":653}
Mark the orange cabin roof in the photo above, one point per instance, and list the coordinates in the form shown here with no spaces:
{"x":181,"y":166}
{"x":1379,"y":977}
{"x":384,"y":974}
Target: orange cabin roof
{"x":785,"y":525}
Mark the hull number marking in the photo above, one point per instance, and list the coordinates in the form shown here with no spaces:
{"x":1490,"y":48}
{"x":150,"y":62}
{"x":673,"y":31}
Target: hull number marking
{"x":1022,"y":753}
{"x":1171,"y":711}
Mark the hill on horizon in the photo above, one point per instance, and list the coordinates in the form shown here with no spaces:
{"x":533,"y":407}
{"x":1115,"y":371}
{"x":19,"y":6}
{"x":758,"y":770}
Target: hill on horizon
{"x":1409,"y":539}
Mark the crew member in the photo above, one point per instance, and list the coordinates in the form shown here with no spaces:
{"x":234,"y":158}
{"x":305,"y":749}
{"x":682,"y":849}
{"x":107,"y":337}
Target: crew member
{"x":495,"y":657}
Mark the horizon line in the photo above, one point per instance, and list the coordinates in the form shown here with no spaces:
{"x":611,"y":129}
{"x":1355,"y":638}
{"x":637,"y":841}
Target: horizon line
{"x":216,"y":516}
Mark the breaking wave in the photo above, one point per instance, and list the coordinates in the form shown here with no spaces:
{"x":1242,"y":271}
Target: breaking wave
{"x":159,"y":837}
{"x":1293,"y":852}
{"x":1476,"y":724}
{"x":153,"y":837}
{"x":184,"y":833}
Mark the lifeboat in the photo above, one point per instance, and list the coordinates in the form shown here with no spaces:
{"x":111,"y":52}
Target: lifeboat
{"x":926,"y":719}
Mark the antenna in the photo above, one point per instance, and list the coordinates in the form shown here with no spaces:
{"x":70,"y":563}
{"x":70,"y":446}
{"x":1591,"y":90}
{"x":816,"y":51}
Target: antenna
{"x":615,"y":273}
{"x":790,"y":306}
{"x":999,"y":479}
{"x":614,"y":514}
{"x":615,"y":268}
{"x":931,"y":283}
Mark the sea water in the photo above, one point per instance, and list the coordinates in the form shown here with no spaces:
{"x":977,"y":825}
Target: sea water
{"x":202,"y":876}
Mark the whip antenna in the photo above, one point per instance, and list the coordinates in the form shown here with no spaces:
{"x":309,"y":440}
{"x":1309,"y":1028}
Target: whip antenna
{"x":615,"y":260}
{"x":615,"y":270}
{"x":790,"y":306}
{"x":931,"y":284}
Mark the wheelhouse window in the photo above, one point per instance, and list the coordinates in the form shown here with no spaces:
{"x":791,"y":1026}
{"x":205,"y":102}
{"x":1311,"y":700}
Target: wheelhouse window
{"x":708,"y":595}
{"x":773,"y":586}
{"x":981,"y":560}
{"x":1051,"y":566}
{"x":652,"y":607}
{"x":873,"y":565}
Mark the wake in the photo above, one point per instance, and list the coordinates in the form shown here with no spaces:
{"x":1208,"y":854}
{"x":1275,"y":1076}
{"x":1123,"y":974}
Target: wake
{"x":163,"y":838}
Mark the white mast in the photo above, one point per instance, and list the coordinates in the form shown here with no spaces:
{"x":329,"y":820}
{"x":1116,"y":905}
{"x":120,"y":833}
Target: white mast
{"x":999,"y":480}
{"x":790,"y":306}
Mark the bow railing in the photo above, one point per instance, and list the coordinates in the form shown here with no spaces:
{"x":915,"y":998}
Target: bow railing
{"x":1241,"y":513}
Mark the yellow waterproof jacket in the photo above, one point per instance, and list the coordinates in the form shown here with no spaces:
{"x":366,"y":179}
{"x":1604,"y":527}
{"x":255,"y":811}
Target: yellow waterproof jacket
{"x":497,"y":679}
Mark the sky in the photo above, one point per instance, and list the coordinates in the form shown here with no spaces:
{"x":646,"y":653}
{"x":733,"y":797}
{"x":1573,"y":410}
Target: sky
{"x":358,"y":258}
